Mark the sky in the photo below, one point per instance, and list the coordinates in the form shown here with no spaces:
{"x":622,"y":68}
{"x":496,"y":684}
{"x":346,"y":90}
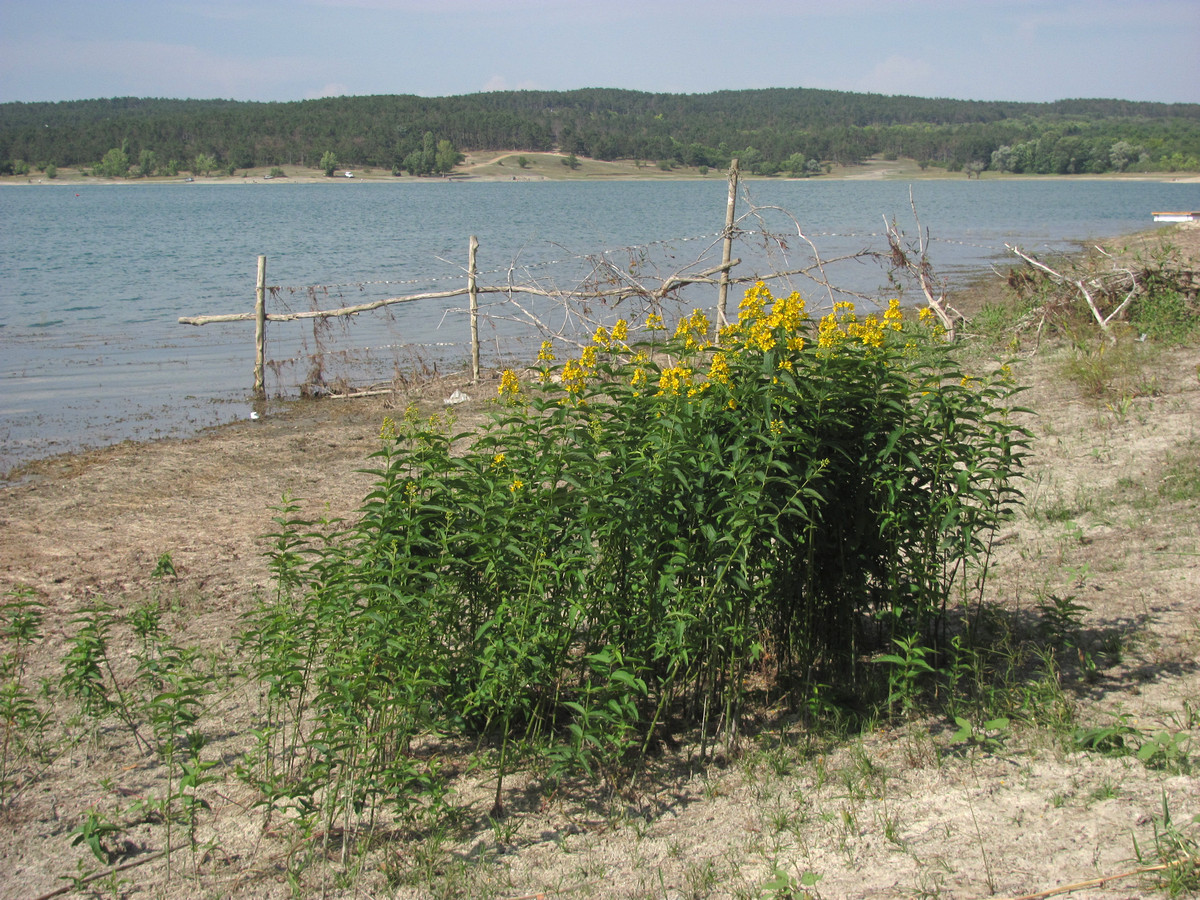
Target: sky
{"x":1022,"y":50}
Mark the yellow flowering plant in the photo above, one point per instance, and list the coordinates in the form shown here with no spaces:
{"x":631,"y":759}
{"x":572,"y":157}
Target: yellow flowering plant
{"x":636,"y":527}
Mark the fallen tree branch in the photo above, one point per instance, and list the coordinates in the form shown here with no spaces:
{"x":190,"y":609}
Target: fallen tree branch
{"x":76,"y":883}
{"x":1097,"y":882}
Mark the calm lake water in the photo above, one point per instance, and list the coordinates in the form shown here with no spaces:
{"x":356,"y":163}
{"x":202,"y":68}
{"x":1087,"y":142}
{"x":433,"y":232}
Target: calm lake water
{"x":93,"y":279}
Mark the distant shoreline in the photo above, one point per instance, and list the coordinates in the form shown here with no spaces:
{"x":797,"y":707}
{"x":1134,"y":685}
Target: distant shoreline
{"x":543,"y":167}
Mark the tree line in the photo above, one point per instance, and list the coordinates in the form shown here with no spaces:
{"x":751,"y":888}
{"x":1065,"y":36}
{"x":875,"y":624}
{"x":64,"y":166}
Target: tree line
{"x":773,"y":131}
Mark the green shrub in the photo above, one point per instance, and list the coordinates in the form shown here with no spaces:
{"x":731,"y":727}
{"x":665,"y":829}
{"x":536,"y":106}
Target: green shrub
{"x":637,"y":532}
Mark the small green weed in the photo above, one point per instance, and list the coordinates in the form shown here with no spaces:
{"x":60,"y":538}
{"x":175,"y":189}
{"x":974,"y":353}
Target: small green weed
{"x":164,"y":567}
{"x":94,"y":832}
{"x":1062,"y":618}
{"x":782,"y":885}
{"x":1181,"y":478}
{"x":1175,"y":857}
{"x":21,"y":717}
{"x":908,"y":667}
{"x":989,"y":736}
{"x":1166,"y":316}
{"x":1166,"y":750}
{"x":1113,"y":739}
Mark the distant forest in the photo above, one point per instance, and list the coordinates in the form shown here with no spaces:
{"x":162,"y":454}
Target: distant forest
{"x":776,"y":131}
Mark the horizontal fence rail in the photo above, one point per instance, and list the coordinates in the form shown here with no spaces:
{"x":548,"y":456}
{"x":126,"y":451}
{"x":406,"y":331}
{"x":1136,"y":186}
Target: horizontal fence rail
{"x":607,"y":284}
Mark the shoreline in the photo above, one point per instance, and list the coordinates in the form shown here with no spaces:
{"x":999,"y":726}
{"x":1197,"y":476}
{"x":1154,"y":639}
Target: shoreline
{"x":305,"y":413}
{"x":542,"y":167}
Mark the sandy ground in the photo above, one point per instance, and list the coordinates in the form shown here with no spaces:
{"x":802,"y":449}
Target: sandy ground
{"x":899,"y":811}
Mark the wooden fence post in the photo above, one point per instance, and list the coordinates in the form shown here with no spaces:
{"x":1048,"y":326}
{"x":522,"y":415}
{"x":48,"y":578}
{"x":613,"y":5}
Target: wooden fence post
{"x":260,"y":329}
{"x":473,"y":291}
{"x":727,"y":249}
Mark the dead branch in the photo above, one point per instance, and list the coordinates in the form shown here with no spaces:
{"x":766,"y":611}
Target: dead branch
{"x":914,"y":262}
{"x":1106,"y":285}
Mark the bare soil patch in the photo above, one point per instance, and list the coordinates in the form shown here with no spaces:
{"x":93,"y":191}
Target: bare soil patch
{"x":907,"y":808}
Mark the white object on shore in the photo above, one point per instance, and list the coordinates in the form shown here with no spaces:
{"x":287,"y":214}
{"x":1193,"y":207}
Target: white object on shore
{"x":456,"y":398}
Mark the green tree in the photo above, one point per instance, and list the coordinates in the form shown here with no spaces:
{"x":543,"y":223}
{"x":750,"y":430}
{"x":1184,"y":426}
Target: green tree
{"x":51,"y":170}
{"x":329,"y":162}
{"x":204,"y":163}
{"x":147,"y":163}
{"x":1122,"y":153}
{"x":171,"y":168}
{"x":571,"y":162}
{"x":115,"y":164}
{"x":523,"y":162}
{"x":446,"y":157}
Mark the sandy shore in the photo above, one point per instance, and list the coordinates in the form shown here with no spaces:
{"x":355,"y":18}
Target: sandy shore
{"x":549,"y":167}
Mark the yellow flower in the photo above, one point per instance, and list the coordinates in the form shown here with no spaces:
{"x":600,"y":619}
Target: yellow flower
{"x":829,"y":335}
{"x":761,"y":336}
{"x":516,"y":485}
{"x":693,"y":330}
{"x":601,"y":338}
{"x":674,"y":381}
{"x":574,"y":377}
{"x":498,"y":461}
{"x":754,"y":303}
{"x":387,"y":431}
{"x":654,"y":322}
{"x":718,"y":371}
{"x":776,"y":426}
{"x":925,"y":315}
{"x":869,"y":331}
{"x":620,"y":331}
{"x":547,"y":352}
{"x":894,"y":316}
{"x":587,"y":359}
{"x":510,"y":386}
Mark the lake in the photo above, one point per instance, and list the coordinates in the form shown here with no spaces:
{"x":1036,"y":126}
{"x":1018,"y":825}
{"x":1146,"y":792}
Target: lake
{"x":94,"y":278}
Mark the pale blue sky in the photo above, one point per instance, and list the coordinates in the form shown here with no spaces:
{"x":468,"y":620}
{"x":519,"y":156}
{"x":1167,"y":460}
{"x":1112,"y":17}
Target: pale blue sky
{"x":298,"y":49}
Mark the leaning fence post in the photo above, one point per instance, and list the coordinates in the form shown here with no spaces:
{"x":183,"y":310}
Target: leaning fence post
{"x":260,"y":329}
{"x":474,"y":294}
{"x":727,"y":249}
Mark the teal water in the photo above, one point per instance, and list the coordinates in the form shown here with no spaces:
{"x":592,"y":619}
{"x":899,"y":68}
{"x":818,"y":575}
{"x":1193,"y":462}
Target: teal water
{"x":93,"y":279}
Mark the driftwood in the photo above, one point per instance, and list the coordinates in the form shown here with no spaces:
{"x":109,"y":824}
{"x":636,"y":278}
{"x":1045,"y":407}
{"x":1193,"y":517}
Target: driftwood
{"x":1106,"y":284}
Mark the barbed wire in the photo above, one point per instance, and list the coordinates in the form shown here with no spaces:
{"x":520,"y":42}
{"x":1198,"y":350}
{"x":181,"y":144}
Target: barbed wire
{"x":586,"y":257}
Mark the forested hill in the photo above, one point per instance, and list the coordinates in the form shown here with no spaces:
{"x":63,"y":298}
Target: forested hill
{"x":791,"y":130}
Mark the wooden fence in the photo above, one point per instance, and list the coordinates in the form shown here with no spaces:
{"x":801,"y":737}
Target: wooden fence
{"x":912,"y":259}
{"x":472,"y":290}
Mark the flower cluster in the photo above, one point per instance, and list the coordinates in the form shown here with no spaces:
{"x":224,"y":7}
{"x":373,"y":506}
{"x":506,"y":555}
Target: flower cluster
{"x":510,"y":385}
